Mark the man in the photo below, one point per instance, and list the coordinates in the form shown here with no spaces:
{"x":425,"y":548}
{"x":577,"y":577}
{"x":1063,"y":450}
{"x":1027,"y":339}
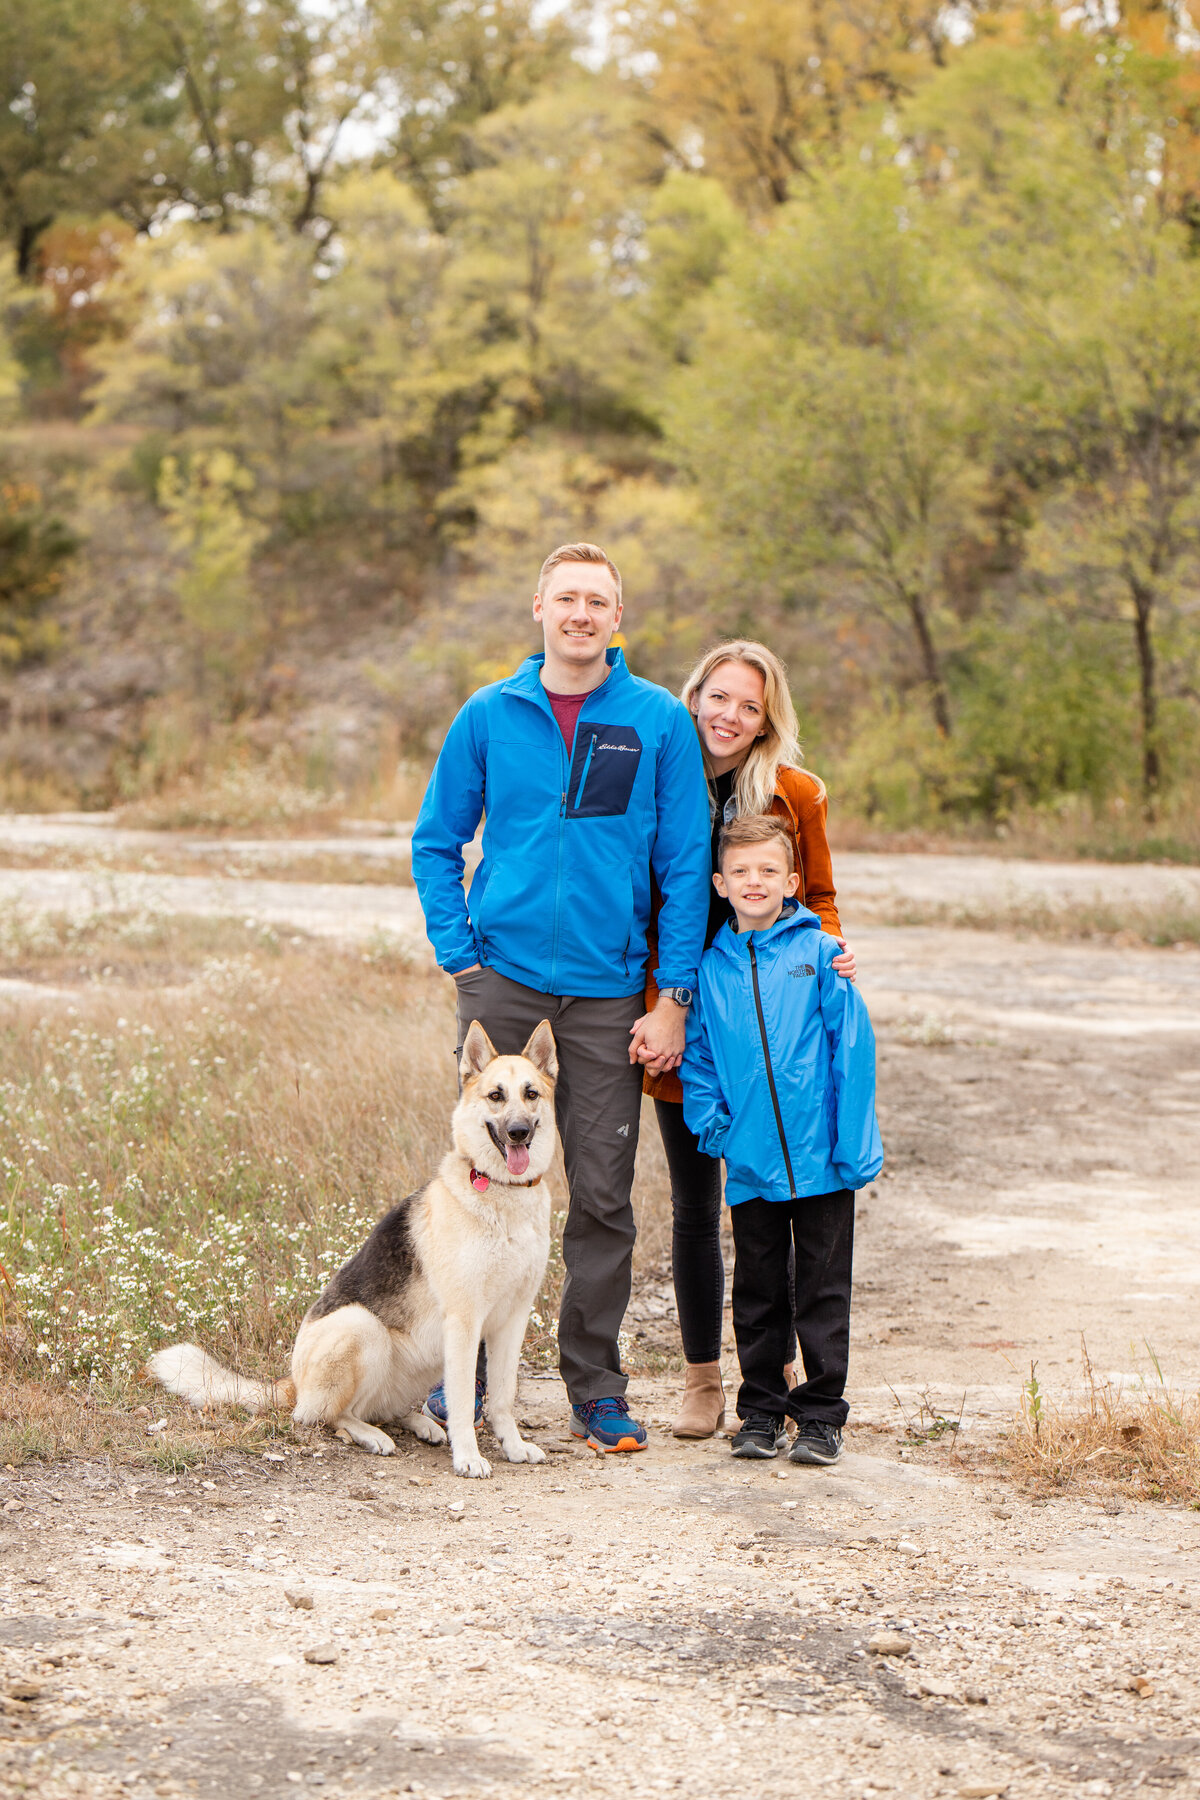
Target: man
{"x":591,"y":782}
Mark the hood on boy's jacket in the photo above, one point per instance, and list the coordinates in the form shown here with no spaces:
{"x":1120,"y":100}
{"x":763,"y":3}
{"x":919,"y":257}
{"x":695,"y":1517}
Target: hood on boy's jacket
{"x":561,"y":898}
{"x":779,"y":1070}
{"x":729,"y":941}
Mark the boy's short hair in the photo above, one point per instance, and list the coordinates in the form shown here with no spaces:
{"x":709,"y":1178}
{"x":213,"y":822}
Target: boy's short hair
{"x":585,"y":553}
{"x":755,"y":828}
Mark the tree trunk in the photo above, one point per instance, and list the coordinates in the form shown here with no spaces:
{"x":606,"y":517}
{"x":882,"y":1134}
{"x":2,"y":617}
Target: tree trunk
{"x":1143,"y":614}
{"x":930,"y":662}
{"x":27,"y":237}
{"x":312,"y":187}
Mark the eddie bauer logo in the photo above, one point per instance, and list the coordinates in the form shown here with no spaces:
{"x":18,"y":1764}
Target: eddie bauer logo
{"x":629,"y":749}
{"x":802,"y":969}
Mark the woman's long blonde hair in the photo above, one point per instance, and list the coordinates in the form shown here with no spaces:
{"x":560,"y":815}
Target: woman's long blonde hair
{"x":754,"y":783}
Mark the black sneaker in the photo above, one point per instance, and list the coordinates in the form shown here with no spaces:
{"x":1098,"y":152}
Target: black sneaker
{"x":761,"y":1435}
{"x":816,"y":1443}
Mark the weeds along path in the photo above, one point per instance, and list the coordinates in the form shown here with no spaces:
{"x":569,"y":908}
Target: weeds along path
{"x":1004,"y":887}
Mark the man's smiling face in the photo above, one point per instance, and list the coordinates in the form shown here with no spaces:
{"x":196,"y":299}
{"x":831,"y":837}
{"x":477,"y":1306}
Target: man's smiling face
{"x":578,"y":610}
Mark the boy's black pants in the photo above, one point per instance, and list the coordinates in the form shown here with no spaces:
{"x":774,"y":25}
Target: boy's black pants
{"x":822,"y":1228}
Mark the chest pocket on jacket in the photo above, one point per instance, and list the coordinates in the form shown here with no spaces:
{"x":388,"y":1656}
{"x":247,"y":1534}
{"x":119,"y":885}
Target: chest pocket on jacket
{"x":603,"y":771}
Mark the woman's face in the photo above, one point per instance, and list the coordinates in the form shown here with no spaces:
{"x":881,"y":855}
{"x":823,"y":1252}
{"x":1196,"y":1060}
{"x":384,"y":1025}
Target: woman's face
{"x":729,"y":714}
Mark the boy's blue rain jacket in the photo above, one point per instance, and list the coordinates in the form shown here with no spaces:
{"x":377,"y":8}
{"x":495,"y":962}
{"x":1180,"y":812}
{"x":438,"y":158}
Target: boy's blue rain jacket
{"x":561,"y":899}
{"x":779,"y":1070}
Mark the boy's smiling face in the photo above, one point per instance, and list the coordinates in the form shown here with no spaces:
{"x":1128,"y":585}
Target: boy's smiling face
{"x":756,"y":879}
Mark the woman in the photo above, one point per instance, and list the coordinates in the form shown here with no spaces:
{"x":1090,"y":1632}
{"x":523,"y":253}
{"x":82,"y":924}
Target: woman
{"x":738,"y":696}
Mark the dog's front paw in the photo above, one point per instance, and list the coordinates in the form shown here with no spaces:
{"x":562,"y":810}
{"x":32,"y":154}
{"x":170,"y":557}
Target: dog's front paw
{"x":428,"y":1430}
{"x":476,"y":1466}
{"x":524,"y":1451}
{"x":367,"y":1437}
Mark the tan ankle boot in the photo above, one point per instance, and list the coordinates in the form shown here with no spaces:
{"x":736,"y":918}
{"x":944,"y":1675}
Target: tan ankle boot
{"x":703,"y":1409}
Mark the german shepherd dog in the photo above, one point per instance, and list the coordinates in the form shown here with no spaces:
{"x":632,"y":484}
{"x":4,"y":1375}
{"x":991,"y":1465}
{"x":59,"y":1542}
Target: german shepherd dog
{"x":457,"y":1263}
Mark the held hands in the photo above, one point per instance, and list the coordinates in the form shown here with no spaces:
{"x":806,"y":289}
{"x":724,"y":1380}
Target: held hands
{"x":844,"y":964}
{"x":657,"y":1039}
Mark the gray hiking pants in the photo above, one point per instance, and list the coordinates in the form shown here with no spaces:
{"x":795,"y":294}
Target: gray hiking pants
{"x":598,"y":1103}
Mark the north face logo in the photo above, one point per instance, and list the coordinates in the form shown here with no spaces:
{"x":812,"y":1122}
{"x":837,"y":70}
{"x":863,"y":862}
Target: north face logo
{"x":802,"y":969}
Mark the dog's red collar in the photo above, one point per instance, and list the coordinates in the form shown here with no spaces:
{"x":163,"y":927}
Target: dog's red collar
{"x":481,"y":1182}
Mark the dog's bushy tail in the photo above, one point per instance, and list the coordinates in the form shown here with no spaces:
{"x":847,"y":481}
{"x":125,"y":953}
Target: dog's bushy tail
{"x":199,"y":1379}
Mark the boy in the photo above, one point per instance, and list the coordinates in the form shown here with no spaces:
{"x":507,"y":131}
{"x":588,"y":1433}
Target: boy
{"x":779,"y":1079}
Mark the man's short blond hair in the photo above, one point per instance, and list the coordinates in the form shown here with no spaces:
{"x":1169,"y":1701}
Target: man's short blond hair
{"x":579,"y":553}
{"x":755,"y":828}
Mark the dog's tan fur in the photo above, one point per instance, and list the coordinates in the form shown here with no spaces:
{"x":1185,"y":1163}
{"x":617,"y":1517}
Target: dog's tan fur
{"x":446,"y":1269}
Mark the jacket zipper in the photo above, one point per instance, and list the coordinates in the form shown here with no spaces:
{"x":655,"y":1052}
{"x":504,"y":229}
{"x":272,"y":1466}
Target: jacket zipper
{"x":762,"y":1032}
{"x":587,"y":763}
{"x":564,"y":760}
{"x":566,"y":757}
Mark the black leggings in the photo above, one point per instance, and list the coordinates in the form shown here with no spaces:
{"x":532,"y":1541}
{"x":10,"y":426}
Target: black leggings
{"x":696,"y":1238}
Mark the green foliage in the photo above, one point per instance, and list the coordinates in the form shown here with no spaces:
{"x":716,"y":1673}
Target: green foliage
{"x":843,"y":437}
{"x":449,"y":66}
{"x":35,"y":547}
{"x":216,"y":542}
{"x":1038,"y":716}
{"x":220,"y":340}
{"x":213,"y":109}
{"x":879,"y":346}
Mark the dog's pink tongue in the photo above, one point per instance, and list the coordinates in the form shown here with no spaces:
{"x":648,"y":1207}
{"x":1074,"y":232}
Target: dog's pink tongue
{"x":517,"y":1157}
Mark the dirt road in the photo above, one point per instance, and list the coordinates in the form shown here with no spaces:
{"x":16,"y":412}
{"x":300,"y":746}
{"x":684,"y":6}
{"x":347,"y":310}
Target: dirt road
{"x":670,"y":1624}
{"x":676,"y":1622}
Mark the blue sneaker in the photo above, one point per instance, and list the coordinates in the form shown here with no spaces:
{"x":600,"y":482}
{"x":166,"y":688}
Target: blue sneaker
{"x":607,"y":1426}
{"x":435,"y":1406}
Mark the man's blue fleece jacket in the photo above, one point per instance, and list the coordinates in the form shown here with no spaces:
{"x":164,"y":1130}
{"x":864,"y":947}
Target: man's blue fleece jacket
{"x":561,"y":899}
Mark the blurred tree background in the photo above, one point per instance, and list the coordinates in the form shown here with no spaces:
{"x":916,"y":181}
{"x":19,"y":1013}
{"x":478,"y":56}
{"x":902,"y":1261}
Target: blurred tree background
{"x":874,"y":335}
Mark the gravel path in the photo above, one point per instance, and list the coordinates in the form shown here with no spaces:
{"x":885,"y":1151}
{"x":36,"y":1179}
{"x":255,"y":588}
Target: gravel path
{"x":328,"y":909}
{"x":675,"y":1623}
{"x":871,"y":881}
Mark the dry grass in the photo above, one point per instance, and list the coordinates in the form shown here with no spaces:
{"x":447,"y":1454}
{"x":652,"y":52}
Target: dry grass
{"x":48,"y":1421}
{"x":241,"y":796}
{"x":192,"y":1139}
{"x":198,"y":1122}
{"x":1143,"y":1443}
{"x":230,"y":860}
{"x":1072,"y":830}
{"x":1163,"y":927}
{"x":222,"y":783}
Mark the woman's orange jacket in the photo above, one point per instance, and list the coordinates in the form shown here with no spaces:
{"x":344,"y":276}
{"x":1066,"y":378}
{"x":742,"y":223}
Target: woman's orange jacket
{"x":801,"y":803}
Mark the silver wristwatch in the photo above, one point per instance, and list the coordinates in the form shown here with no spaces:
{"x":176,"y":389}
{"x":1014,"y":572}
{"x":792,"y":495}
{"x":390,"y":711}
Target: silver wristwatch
{"x":681,"y":996}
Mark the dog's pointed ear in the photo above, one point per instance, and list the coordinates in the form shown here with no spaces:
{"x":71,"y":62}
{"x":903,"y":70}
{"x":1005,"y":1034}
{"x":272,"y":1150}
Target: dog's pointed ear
{"x":541,"y":1051}
{"x":477,"y":1051}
